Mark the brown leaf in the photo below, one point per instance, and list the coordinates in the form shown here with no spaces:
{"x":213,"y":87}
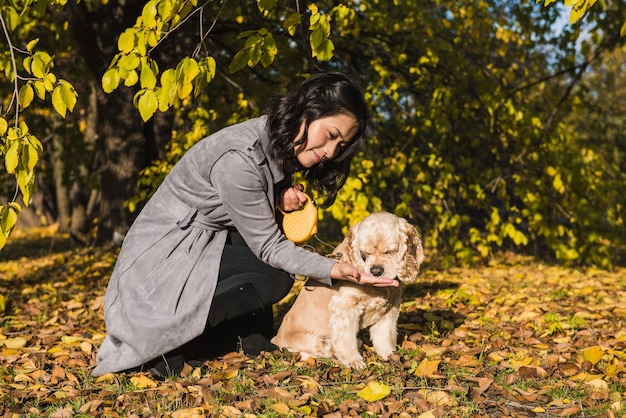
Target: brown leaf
{"x":531,"y":372}
{"x":528,"y":395}
{"x":569,"y":411}
{"x":62,"y":413}
{"x":91,"y":407}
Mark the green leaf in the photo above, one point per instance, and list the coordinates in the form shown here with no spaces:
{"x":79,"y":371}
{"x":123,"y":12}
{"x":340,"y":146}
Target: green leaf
{"x":30,"y":156}
{"x":26,"y":96}
{"x":11,"y":18}
{"x":41,"y":65}
{"x":291,"y":23}
{"x":9,"y":218}
{"x":374,"y":391}
{"x":147,"y":104}
{"x":126,"y":41}
{"x":148,"y":78}
{"x":32,"y":44}
{"x":26,"y":183}
{"x":11,"y":159}
{"x":324,"y":52}
{"x":129,"y":62}
{"x":4,"y":125}
{"x":131,"y":78}
{"x":169,"y":89}
{"x":240,"y":60}
{"x":49,"y":81}
{"x":58,"y":103}
{"x":255,"y":56}
{"x":580,"y":7}
{"x":40,"y":89}
{"x":148,"y":14}
{"x":68,"y":94}
{"x":190,"y":69}
{"x":110,"y":80}
{"x":265,"y":5}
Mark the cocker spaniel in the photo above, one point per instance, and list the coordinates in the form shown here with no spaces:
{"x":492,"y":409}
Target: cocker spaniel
{"x":325,"y":321}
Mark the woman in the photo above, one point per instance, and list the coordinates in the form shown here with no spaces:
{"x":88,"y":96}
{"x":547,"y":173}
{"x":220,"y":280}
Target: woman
{"x":205,"y":259}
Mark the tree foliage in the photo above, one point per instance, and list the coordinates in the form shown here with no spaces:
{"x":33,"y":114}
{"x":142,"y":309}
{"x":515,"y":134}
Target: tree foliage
{"x":30,"y":70}
{"x":470,"y":139}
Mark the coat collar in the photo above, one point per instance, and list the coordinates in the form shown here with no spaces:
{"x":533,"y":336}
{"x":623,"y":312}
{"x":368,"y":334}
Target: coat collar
{"x":261,"y":152}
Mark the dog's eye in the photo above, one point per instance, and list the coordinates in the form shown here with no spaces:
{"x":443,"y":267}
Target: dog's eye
{"x":363,"y":256}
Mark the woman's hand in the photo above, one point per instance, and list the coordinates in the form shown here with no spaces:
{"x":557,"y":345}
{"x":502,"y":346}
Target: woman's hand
{"x":345,"y":271}
{"x":292,"y":198}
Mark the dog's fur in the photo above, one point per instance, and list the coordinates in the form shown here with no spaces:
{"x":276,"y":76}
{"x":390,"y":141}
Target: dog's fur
{"x":324,"y":321}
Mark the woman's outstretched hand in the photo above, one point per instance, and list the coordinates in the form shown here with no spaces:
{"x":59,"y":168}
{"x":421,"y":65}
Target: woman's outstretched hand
{"x":345,"y":271}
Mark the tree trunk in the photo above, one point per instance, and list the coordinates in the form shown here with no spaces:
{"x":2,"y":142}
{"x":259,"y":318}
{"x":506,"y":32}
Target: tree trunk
{"x":122,"y":155}
{"x":120,"y":148}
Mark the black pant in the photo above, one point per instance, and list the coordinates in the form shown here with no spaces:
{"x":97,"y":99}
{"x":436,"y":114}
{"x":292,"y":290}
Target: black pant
{"x":245,"y":283}
{"x":242,"y":304}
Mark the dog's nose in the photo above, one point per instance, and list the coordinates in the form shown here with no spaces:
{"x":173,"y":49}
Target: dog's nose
{"x":377,"y":271}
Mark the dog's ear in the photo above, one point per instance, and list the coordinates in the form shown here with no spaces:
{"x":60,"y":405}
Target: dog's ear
{"x":348,"y":248}
{"x":414,"y":253}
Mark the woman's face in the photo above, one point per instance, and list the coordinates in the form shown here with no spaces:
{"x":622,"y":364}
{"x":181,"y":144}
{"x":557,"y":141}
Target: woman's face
{"x":326,"y":137}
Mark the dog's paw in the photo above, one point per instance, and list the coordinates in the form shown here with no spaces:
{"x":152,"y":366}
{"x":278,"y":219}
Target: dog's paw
{"x":384,"y":352}
{"x":356,"y":364}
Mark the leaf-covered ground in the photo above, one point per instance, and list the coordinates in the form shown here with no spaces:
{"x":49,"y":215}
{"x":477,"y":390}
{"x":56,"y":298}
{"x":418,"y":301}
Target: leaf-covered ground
{"x":515,"y":338}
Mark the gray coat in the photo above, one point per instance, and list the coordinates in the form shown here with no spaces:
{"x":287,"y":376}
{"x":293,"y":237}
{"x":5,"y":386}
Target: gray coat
{"x":160,"y":292}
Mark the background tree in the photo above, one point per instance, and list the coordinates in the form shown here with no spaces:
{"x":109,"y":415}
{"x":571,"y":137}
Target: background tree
{"x":470,"y":137}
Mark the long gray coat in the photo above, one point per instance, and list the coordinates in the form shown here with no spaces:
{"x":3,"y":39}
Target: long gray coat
{"x":160,"y":292}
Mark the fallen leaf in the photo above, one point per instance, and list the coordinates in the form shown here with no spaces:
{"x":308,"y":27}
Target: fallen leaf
{"x":14,"y":343}
{"x":230,"y":411}
{"x":189,"y":413}
{"x":439,"y":398}
{"x":427,"y":368}
{"x":593,"y":354}
{"x":374,"y":391}
{"x":281,"y":408}
{"x":142,"y":381}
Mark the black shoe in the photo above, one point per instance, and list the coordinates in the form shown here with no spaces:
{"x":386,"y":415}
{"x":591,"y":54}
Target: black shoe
{"x":252,"y":345}
{"x":166,"y":366}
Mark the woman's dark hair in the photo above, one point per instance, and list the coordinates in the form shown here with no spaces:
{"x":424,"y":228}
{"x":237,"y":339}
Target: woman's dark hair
{"x":321,"y":95}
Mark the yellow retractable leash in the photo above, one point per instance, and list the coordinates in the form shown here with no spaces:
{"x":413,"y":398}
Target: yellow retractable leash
{"x":300,"y":225}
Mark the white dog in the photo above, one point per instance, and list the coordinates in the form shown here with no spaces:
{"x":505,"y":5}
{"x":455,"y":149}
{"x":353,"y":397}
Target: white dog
{"x":324,"y":321}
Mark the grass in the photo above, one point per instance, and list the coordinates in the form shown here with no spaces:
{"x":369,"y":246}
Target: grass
{"x":512,"y":338}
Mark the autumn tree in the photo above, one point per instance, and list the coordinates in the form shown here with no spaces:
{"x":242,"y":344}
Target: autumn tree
{"x":469,"y":100}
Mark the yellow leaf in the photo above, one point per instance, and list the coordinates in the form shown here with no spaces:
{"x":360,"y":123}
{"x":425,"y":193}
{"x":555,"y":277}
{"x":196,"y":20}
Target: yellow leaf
{"x":281,"y":408}
{"x":108,"y":377}
{"x":71,"y":340}
{"x":230,"y":374}
{"x":374,"y":391}
{"x":60,"y":394}
{"x":593,"y":354}
{"x":427,"y":368}
{"x":11,"y":158}
{"x":539,"y":410}
{"x":14,"y":343}
{"x":143,"y":381}
{"x":598,"y":385}
{"x":517,"y":363}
